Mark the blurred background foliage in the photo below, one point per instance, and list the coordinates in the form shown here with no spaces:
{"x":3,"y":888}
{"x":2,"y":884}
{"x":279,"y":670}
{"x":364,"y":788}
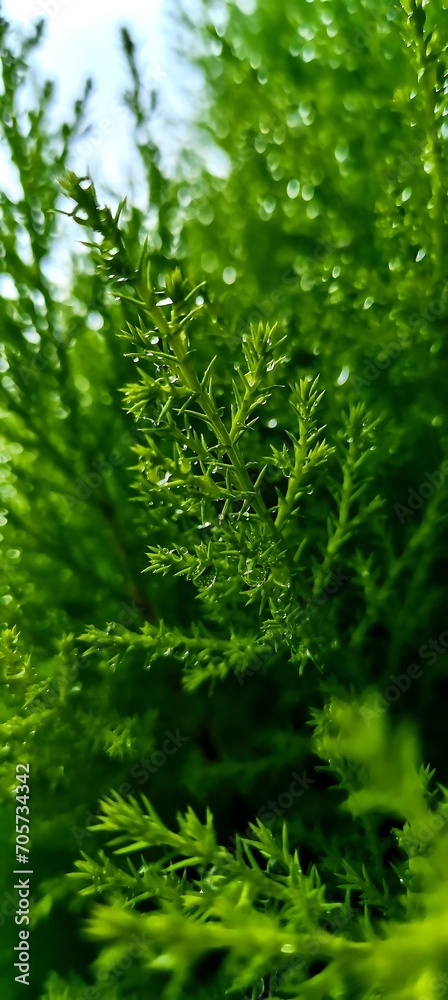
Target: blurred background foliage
{"x":320,"y":206}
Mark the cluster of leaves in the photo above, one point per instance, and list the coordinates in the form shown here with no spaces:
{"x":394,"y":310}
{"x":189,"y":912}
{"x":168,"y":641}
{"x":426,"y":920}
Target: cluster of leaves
{"x":199,"y":487}
{"x":205,"y":483}
{"x":213,"y":917}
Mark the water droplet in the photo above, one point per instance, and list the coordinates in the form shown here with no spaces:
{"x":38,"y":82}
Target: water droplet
{"x":269,"y":205}
{"x":293,"y":189}
{"x":307,"y":31}
{"x":421,"y":254}
{"x":162,"y":482}
{"x":184,"y":197}
{"x":229,"y":275}
{"x":394,"y":264}
{"x":312,"y":211}
{"x":308,"y":53}
{"x":308,"y":192}
{"x":343,"y":376}
{"x":341,"y":152}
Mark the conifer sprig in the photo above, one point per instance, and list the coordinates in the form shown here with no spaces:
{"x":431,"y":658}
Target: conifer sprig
{"x":203,"y":466}
{"x":285,"y":912}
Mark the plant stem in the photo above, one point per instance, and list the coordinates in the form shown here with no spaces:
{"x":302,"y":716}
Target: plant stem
{"x":222,"y":435}
{"x":287,"y":505}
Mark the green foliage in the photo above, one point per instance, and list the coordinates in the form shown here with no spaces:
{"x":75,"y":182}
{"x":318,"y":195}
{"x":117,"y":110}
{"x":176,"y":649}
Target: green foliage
{"x":249,"y":910}
{"x":223,"y":482}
